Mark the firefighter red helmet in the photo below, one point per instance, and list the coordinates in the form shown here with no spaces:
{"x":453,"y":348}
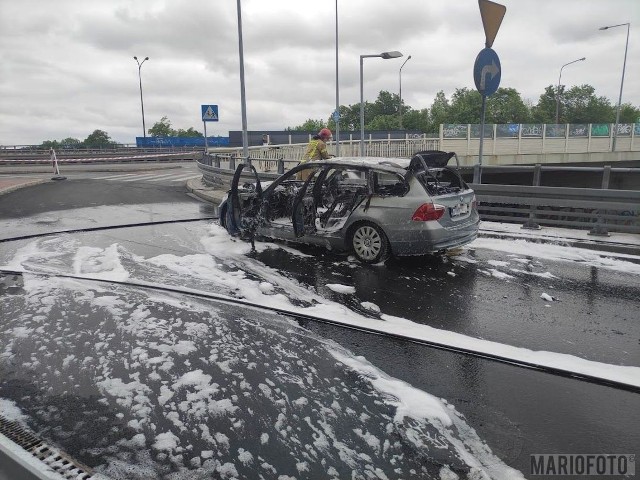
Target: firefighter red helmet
{"x":325,"y":133}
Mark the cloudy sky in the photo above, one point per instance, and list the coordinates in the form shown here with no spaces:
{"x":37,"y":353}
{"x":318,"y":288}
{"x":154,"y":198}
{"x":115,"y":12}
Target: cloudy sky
{"x":67,"y":67}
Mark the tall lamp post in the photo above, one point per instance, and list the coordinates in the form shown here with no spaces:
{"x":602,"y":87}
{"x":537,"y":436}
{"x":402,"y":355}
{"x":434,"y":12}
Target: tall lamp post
{"x":558,"y":90}
{"x":400,"y":75}
{"x":337,"y":112}
{"x":624,"y":64}
{"x":243,"y":98}
{"x":144,"y":129}
{"x":385,"y":56}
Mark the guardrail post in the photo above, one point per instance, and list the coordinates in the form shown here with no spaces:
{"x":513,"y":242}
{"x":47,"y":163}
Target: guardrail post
{"x":476,"y":174}
{"x":232,"y":162}
{"x":280,"y":166}
{"x":216,"y":160}
{"x":531,"y":223}
{"x":600,"y":228}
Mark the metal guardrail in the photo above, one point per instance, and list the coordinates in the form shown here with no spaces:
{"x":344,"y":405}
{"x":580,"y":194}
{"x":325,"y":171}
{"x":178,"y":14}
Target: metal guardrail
{"x":599,"y":209}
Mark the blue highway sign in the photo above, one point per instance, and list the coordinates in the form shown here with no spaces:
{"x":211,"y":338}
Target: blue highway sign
{"x":487,"y":72}
{"x":209,"y":113}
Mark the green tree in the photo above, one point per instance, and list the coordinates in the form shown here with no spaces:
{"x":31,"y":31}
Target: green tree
{"x":66,"y":143}
{"x":349,"y":118}
{"x":629,"y":113}
{"x":189,"y":133}
{"x":438,"y":113}
{"x":386,"y":104}
{"x":48,"y":144}
{"x":583,"y":106}
{"x":161,"y":128}
{"x":545,"y":110}
{"x":98,"y":139}
{"x":506,"y":106}
{"x":465,"y":106}
{"x":70,"y":143}
{"x":384,"y":122}
{"x":579,"y":104}
{"x":310,"y":125}
{"x":416,"y":120}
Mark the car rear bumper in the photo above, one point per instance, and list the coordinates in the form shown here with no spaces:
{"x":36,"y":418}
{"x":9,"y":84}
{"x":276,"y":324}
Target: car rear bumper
{"x":421,"y":242}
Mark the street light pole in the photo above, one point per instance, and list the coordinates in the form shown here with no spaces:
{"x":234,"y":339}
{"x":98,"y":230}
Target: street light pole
{"x":558,"y":90}
{"x":337,"y":116}
{"x":144,"y":129}
{"x":385,"y":56}
{"x":624,"y":65}
{"x":243,"y":101}
{"x":400,"y":74}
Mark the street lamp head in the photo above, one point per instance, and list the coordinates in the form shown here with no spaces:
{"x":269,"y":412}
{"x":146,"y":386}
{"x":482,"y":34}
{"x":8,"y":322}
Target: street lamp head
{"x":409,"y":57}
{"x":147,"y":58}
{"x":388,"y":55}
{"x":613,"y":26}
{"x":135,"y":58}
{"x":583,"y":58}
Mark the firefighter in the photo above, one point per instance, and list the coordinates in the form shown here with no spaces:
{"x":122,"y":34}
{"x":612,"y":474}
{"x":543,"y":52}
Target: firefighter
{"x":316,"y":150}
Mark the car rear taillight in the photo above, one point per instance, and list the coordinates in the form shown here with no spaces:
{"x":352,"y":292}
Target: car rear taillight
{"x":427,"y":212}
{"x":474,"y":203}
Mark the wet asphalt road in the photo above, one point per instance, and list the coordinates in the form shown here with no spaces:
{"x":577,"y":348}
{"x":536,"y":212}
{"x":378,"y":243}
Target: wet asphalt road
{"x":516,"y":411}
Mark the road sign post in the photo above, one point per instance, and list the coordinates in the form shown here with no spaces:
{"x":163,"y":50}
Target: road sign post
{"x":209,"y":114}
{"x":486,"y":69}
{"x":486,"y":75}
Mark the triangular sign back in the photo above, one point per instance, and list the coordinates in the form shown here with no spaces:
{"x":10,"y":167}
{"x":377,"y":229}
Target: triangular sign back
{"x":492,"y":14}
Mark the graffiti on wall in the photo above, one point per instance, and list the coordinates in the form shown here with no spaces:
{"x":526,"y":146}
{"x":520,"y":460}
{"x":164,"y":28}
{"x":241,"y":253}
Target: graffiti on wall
{"x":531,"y":130}
{"x":453,"y":130}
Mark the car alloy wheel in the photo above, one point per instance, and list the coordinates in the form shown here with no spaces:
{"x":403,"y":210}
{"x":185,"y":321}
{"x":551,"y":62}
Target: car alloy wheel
{"x":369,"y":243}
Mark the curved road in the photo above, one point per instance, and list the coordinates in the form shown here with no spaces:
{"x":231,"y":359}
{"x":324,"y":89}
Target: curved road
{"x":491,"y":290}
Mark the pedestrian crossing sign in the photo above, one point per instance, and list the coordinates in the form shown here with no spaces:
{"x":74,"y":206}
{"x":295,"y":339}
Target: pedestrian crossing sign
{"x":209,"y":113}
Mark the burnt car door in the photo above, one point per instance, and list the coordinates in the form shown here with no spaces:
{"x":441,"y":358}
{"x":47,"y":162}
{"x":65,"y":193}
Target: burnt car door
{"x":243,"y":204}
{"x":304,"y":208}
{"x":324,"y":208}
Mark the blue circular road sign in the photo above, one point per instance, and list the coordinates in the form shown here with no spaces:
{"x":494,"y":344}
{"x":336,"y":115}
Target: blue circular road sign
{"x":487,"y":72}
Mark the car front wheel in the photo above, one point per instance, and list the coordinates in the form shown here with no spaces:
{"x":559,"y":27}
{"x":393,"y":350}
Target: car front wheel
{"x":369,"y":243}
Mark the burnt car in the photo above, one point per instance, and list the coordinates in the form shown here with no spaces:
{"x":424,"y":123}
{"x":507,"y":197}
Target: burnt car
{"x":371,"y":206}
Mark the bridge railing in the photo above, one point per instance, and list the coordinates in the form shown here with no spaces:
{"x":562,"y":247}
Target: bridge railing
{"x":397,"y":148}
{"x":524,"y":139}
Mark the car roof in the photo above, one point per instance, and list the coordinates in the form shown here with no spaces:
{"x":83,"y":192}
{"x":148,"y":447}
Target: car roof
{"x":396,"y":165}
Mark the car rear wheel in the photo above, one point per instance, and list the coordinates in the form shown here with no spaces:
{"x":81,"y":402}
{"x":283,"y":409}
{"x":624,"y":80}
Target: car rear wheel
{"x":369,"y":243}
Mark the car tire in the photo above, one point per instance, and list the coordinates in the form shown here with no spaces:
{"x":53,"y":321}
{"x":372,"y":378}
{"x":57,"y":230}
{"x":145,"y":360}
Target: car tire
{"x":369,"y":243}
